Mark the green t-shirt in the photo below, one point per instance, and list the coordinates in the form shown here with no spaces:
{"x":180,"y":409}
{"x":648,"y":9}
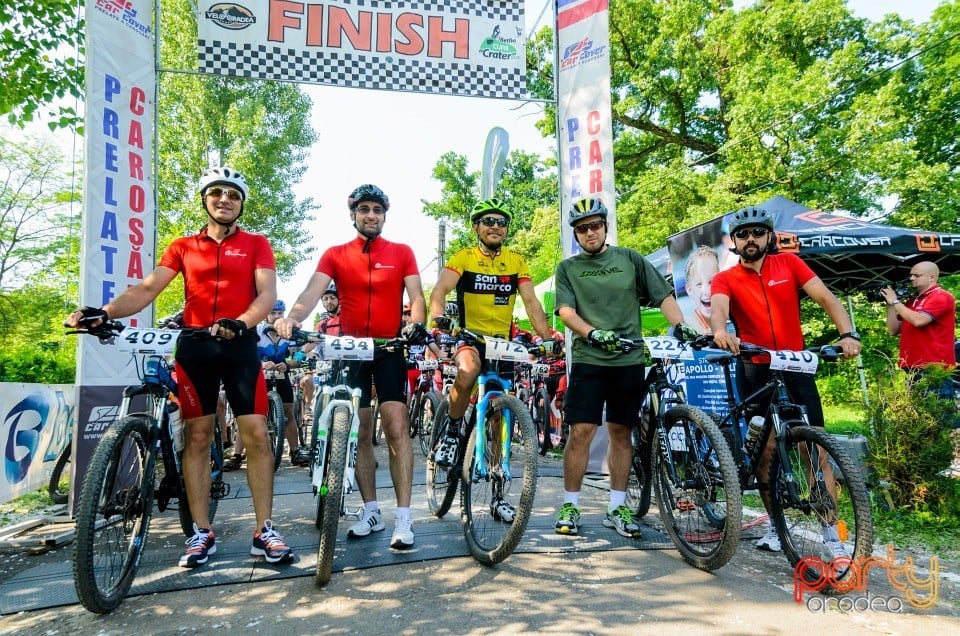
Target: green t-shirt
{"x":607,"y":290}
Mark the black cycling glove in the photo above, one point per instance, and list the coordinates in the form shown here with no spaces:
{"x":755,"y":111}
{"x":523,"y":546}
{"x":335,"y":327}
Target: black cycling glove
{"x":238,"y":327}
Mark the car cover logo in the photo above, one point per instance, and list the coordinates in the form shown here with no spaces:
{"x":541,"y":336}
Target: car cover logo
{"x":230,"y":15}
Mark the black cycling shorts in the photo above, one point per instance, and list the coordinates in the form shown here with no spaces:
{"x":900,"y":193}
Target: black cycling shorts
{"x":621,"y":389}
{"x":203,"y":363}
{"x":284,"y":388}
{"x":801,"y":388}
{"x":388,"y":370}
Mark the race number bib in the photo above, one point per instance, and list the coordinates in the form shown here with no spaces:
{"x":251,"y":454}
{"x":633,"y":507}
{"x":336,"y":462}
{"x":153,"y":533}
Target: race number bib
{"x":427,"y":365}
{"x":346,"y":348}
{"x":500,"y":349}
{"x":797,"y":361}
{"x":667,"y":348}
{"x":540,"y":369}
{"x":144,"y":340}
{"x":677,"y":439}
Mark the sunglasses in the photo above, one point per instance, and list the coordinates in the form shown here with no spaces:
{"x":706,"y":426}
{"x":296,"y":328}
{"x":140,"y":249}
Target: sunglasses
{"x":758,"y":232}
{"x":592,"y":226}
{"x":216,"y":193}
{"x":490,"y":221}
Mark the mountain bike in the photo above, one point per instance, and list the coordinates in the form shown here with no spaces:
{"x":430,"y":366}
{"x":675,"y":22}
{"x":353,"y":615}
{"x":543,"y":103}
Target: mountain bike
{"x":813,"y":483}
{"x":137,"y":462}
{"x":335,"y":433}
{"x":680,"y":452}
{"x":423,"y":404}
{"x":501,"y":446}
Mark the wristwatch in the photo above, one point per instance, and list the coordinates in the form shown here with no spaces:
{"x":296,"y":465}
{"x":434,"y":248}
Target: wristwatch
{"x":850,"y":334}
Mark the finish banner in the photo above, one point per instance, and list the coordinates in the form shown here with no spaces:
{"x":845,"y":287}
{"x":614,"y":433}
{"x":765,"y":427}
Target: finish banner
{"x":460,"y":47}
{"x":584,"y":124}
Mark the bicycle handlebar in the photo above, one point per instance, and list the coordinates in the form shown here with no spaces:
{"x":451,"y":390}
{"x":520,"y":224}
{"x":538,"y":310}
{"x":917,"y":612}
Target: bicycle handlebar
{"x":827,"y":353}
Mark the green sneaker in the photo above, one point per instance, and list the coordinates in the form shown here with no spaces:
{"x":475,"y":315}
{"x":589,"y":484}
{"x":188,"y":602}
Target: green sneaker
{"x":622,"y":521}
{"x":567,"y":519}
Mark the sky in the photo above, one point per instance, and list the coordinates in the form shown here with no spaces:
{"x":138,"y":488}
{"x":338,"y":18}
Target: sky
{"x":394,"y":140}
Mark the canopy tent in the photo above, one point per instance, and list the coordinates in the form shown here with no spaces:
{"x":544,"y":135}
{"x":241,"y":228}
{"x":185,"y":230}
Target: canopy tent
{"x":845,"y":253}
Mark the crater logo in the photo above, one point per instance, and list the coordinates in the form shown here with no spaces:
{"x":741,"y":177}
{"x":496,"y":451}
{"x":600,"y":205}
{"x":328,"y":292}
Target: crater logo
{"x":231,"y":16}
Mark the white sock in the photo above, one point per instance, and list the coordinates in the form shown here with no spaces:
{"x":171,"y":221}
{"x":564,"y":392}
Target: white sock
{"x":370,"y":507}
{"x":617,"y":499}
{"x":402,"y":513}
{"x":571,"y":497}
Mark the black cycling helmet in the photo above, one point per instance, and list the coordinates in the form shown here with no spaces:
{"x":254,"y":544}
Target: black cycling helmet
{"x":749,"y":217}
{"x":487,"y":206}
{"x":331,"y":289}
{"x":367,"y":192}
{"x":585,"y":208}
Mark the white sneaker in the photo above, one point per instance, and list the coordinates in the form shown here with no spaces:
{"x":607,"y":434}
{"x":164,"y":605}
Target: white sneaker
{"x":366,"y":525}
{"x":402,"y":534}
{"x":834,"y":545}
{"x":770,"y":541}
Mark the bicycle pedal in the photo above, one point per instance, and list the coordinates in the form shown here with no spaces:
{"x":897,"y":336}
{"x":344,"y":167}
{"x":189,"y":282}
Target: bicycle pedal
{"x":220,"y":490}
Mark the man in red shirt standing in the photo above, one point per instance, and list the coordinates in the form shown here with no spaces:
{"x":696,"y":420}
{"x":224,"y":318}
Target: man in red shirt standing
{"x":230,"y":285}
{"x":761,"y":295}
{"x":926,"y":325}
{"x":371,"y":275}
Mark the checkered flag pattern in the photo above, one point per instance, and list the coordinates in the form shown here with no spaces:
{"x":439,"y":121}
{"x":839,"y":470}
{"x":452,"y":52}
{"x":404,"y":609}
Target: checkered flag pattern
{"x":356,"y":70}
{"x":489,"y":9}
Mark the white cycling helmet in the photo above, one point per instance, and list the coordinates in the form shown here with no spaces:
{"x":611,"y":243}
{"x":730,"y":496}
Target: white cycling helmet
{"x":224,"y":176}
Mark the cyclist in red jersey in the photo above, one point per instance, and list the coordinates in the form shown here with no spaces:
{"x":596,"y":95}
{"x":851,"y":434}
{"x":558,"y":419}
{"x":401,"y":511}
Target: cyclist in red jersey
{"x":229,"y":285}
{"x":371,"y":274}
{"x":761,"y":295}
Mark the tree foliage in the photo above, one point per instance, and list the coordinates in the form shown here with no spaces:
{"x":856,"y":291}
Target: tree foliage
{"x":41,"y":45}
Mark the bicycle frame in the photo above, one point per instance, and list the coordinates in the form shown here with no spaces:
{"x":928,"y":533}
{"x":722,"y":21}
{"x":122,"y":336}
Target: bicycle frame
{"x":490,"y":385}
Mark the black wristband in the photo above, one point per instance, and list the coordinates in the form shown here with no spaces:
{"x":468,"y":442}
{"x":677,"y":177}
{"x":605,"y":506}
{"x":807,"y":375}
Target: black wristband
{"x":850,"y":334}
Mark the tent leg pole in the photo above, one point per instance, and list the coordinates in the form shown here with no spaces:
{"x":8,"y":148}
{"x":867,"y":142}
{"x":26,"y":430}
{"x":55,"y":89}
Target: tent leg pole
{"x":860,"y":371}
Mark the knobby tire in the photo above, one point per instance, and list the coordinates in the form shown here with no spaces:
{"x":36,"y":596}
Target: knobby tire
{"x":333,"y":480}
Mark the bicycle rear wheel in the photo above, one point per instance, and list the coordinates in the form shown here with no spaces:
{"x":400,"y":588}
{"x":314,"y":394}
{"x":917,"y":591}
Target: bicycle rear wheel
{"x":804,"y":519}
{"x":441,"y":482}
{"x":331,"y":493}
{"x":490,"y":539}
{"x":424,"y":415}
{"x":698,"y":490}
{"x":640,"y":483}
{"x":113,"y":514}
{"x":276,"y":427}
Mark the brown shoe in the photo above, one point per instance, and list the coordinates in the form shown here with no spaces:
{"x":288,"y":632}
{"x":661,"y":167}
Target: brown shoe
{"x":233,"y":463}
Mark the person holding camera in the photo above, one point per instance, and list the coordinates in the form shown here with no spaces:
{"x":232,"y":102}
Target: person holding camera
{"x":925,"y":324}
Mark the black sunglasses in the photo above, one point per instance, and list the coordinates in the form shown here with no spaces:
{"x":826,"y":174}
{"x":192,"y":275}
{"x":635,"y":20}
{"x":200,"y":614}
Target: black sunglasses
{"x":490,"y":221}
{"x":583,"y":228}
{"x":758,"y":232}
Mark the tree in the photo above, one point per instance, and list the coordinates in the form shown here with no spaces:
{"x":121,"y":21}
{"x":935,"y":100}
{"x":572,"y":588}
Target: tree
{"x":41,"y":45}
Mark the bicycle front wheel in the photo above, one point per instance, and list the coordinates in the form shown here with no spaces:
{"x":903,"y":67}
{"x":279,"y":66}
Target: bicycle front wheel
{"x":113,"y":514}
{"x":331,"y":493}
{"x":441,"y":482}
{"x":698,"y":490}
{"x":424,"y":416}
{"x":819,"y":503}
{"x":540,"y":413}
{"x":489,"y":474}
{"x":377,"y":424}
{"x":276,"y":427}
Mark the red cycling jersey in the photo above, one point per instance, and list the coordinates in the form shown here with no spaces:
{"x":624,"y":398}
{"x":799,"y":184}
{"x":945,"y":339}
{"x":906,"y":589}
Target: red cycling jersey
{"x":369,"y":277}
{"x":765,"y":307}
{"x":219,"y":278}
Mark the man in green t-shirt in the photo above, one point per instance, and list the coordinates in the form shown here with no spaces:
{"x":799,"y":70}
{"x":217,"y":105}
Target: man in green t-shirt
{"x":599,"y":295}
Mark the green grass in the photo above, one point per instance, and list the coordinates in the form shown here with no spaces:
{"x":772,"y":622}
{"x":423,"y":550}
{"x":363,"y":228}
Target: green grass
{"x":30,"y":504}
{"x":847,"y":420}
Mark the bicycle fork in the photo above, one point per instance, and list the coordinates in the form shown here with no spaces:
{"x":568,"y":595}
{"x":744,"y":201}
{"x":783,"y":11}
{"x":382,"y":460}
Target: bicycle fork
{"x":324,"y":424}
{"x":481,"y":467}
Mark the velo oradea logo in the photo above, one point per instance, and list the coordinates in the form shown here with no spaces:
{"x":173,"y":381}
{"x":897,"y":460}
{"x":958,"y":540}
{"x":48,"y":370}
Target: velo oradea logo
{"x":230,"y":15}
